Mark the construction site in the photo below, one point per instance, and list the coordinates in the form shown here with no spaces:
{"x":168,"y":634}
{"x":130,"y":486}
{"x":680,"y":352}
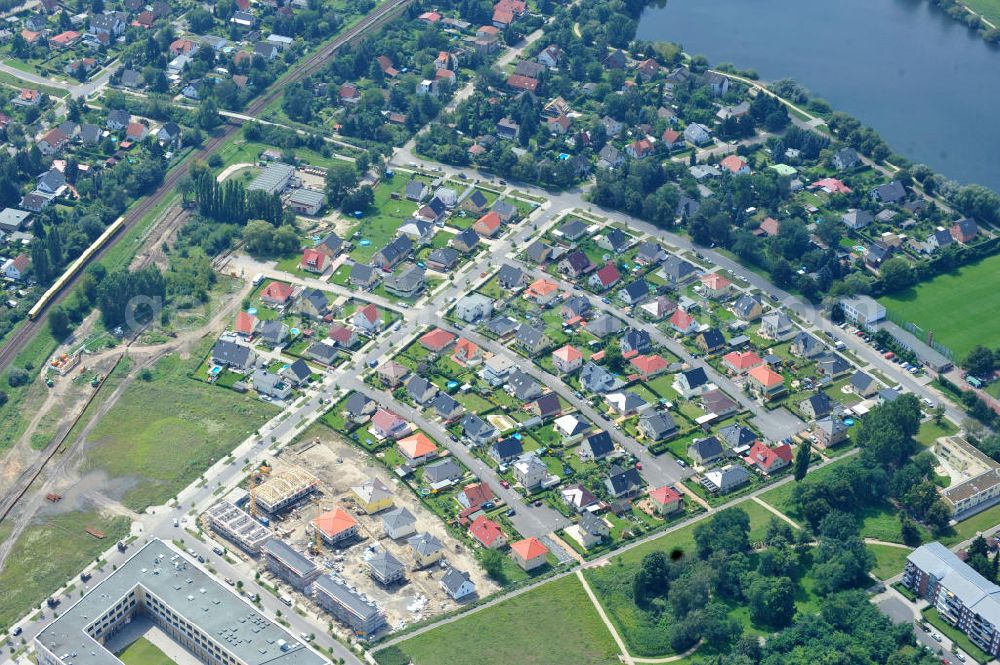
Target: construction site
{"x":348,"y":523}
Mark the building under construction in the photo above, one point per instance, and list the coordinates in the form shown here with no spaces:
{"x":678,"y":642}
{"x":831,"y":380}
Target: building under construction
{"x":237,"y":526}
{"x":282,"y":490}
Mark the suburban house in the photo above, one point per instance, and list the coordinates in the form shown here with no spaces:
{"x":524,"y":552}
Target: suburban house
{"x":567,"y":359}
{"x":596,"y":446}
{"x":387,"y":425}
{"x":704,"y":451}
{"x":657,"y":425}
{"x":691,"y":383}
{"x":623,"y":482}
{"x":666,"y":500}
{"x":417,"y":448}
{"x":487,"y":533}
{"x":765,"y":383}
{"x":767,"y":459}
{"x":529,"y":553}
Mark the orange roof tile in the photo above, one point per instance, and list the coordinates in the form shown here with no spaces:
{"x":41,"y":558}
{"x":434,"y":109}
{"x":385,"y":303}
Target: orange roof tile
{"x":334,"y":522}
{"x":417,"y":445}
{"x":529,"y":548}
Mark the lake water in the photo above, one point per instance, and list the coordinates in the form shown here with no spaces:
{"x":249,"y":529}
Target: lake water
{"x":928,"y":85}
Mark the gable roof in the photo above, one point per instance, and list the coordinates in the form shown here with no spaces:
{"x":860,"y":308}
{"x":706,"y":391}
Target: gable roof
{"x":529,"y":548}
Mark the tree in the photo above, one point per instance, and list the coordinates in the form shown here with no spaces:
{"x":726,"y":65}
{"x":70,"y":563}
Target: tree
{"x":17,"y":377}
{"x":938,"y":517}
{"x":653,"y":578}
{"x":208,"y":117}
{"x":980,"y":362}
{"x":802,"y":458}
{"x":492,"y":563}
{"x":728,"y":531}
{"x":613,"y":357}
{"x":771,"y":600}
{"x":58,"y":323}
{"x":340,"y":179}
{"x":897,"y":274}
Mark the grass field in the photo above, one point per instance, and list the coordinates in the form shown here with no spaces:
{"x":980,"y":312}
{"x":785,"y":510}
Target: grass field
{"x":555,"y":624}
{"x":988,"y":9}
{"x":889,"y":561}
{"x":955,"y":635}
{"x":31,"y":575}
{"x":878,"y":522}
{"x":165,"y":432}
{"x":144,"y":652}
{"x":957,"y":322}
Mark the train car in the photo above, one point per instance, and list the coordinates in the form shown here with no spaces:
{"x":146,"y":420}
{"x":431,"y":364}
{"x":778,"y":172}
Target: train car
{"x":75,"y":267}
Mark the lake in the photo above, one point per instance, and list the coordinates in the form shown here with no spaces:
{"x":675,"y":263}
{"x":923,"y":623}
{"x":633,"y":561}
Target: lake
{"x":927,"y":84}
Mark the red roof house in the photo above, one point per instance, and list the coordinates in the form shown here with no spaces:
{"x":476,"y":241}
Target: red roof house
{"x":529,"y":553}
{"x":606,"y":277}
{"x":488,"y":224}
{"x":277,"y":293}
{"x":313,"y":261}
{"x":650,"y":365}
{"x":768,"y":459}
{"x":666,"y":499}
{"x":436,"y":340}
{"x":488,"y":533}
{"x":739,"y":362}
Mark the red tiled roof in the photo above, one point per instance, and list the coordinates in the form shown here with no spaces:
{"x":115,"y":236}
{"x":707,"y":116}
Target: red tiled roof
{"x":489,"y":223}
{"x":417,"y":445}
{"x":385,"y":419}
{"x":664,"y":495}
{"x":245,"y":323}
{"x":567,"y":354}
{"x":529,"y":548}
{"x":277,"y":291}
{"x":742,"y":360}
{"x":313,"y":258}
{"x":650,"y":364}
{"x":733,"y":164}
{"x":521,"y":82}
{"x":485,"y":530}
{"x":681,"y":319}
{"x":765,"y":376}
{"x":370,"y":312}
{"x":608,"y":274}
{"x":715,"y":281}
{"x":436,"y":339}
{"x":766,"y":457}
{"x":334,"y":522}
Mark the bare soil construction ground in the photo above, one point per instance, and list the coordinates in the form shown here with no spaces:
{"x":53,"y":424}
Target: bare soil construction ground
{"x":339,"y":466}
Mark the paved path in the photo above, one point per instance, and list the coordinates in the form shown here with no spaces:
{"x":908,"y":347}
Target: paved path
{"x":777,"y":513}
{"x":622,"y":649}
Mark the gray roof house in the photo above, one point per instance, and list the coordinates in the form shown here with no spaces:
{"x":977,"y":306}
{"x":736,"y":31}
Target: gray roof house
{"x":506,"y":450}
{"x":477,"y":430}
{"x":420,"y":390}
{"x":596,"y":446}
{"x":604,"y":326}
{"x":892,"y":192}
{"x":738,"y":436}
{"x":386,"y":569}
{"x":457,"y":584}
{"x":703,"y":451}
{"x":530,"y":338}
{"x":443,"y":472}
{"x":523,"y":386}
{"x":231,"y":354}
{"x":857,"y":219}
{"x":623,"y":482}
{"x":511,"y":277}
{"x":446,"y":407}
{"x":657,"y":425}
{"x":399,"y":523}
{"x":597,"y":379}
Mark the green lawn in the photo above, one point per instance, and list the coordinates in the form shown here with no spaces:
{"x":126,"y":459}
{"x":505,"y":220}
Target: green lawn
{"x":165,"y":432}
{"x":555,"y":624}
{"x":955,"y":635}
{"x":144,"y":652}
{"x":49,"y":552}
{"x":968,"y":528}
{"x":988,"y":9}
{"x":878,"y":522}
{"x":889,"y":561}
{"x":957,"y":323}
{"x":929,"y":431}
{"x":379,"y":225}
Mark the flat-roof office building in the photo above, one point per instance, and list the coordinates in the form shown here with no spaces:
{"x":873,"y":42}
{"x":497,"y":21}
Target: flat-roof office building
{"x":163,"y":586}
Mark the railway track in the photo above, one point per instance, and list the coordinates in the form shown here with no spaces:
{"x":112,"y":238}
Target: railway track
{"x":385,"y":12}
